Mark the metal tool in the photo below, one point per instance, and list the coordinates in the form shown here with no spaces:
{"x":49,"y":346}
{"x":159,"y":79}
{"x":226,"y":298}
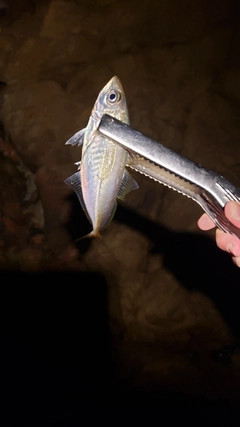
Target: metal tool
{"x":210,"y":190}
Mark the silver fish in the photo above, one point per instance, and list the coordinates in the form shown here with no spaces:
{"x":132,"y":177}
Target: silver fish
{"x":102,"y":176}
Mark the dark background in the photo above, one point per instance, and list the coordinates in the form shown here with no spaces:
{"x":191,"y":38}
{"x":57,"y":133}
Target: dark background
{"x":145,"y":322}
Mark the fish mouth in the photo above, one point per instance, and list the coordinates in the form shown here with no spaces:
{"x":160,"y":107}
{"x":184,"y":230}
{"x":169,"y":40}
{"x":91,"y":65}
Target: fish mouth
{"x":115,"y":83}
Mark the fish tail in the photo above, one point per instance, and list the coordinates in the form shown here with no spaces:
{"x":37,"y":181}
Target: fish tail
{"x":94,"y":233}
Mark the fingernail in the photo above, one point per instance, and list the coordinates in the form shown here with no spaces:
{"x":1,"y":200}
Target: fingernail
{"x":235,"y":210}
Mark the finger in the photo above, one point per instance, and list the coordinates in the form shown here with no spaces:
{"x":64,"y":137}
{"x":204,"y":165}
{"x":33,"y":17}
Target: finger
{"x":236,"y":260}
{"x":232,"y":212}
{"x":205,"y":223}
{"x":227,"y":242}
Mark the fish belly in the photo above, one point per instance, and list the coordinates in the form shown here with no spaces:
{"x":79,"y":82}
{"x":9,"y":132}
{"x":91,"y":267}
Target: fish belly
{"x":102,"y":169}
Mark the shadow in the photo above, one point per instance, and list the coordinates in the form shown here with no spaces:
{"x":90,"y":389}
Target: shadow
{"x":196,"y":262}
{"x":56,"y":364}
{"x":56,"y":351}
{"x":55,"y":344}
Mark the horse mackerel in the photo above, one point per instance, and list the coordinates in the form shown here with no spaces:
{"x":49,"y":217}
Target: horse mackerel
{"x":102,"y":176}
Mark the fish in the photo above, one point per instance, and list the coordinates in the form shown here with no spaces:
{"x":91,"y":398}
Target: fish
{"x":102,"y":177}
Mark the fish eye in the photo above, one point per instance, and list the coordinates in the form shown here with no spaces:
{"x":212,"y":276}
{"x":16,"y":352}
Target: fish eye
{"x":113,"y":96}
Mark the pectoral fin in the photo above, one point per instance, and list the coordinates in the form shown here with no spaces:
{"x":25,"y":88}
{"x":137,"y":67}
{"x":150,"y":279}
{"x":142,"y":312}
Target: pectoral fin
{"x":77,"y":138}
{"x":74,"y":182}
{"x":128,"y":184}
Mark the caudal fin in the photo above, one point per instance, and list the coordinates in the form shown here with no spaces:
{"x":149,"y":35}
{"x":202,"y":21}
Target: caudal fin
{"x":94,"y":233}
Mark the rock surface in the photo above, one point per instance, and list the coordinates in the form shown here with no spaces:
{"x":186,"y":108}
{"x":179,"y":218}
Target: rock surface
{"x":172,"y":296}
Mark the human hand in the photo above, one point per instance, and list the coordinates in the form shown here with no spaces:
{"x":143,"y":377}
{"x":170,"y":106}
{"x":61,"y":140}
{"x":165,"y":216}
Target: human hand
{"x":225,"y":241}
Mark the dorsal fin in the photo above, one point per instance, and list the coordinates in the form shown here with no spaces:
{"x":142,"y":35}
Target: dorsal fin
{"x":128,"y":184}
{"x":77,"y":138}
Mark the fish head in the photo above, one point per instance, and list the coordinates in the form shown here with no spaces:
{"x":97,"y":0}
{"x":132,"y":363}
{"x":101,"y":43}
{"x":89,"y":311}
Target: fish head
{"x":111,"y":100}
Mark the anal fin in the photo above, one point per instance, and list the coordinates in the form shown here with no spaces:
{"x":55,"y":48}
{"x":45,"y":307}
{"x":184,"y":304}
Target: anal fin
{"x":127,"y":184}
